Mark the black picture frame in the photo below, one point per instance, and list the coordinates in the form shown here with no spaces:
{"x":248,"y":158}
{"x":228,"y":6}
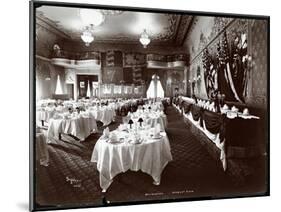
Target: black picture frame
{"x":32,"y":108}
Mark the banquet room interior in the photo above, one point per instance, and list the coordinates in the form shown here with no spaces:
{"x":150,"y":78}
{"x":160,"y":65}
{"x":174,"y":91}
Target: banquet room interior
{"x":138,"y":106}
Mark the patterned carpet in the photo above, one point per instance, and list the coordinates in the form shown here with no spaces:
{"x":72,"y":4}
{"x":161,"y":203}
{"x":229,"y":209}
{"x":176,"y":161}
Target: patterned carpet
{"x":192,"y":173}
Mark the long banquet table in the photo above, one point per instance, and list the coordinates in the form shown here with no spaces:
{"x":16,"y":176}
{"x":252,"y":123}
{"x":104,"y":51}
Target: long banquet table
{"x":233,"y":133}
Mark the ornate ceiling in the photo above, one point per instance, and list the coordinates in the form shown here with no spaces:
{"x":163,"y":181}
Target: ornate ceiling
{"x":124,"y":27}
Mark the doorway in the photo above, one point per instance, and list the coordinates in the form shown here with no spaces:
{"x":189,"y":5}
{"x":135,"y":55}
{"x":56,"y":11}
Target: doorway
{"x":70,"y":90}
{"x":87,"y":86}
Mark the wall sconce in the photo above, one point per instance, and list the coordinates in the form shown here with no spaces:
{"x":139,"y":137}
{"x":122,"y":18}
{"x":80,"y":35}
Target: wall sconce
{"x":248,"y":60}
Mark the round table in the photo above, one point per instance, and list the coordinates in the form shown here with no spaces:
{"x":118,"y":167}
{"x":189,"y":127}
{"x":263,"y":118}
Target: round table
{"x":149,"y":118}
{"x":150,"y":156}
{"x":44,"y":115}
{"x":80,"y":126}
{"x":104,"y":114}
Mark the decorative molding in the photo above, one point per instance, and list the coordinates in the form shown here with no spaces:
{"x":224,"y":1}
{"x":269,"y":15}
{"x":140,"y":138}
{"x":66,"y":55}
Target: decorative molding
{"x":173,"y":34}
{"x":166,"y":58}
{"x":50,"y":25}
{"x":170,"y":30}
{"x":42,"y":58}
{"x":184,"y":25}
{"x":166,"y":65}
{"x":76,"y":64}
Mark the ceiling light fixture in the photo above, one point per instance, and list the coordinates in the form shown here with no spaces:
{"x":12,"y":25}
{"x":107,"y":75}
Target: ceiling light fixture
{"x":91,"y":17}
{"x":144,"y":39}
{"x":87,"y":36}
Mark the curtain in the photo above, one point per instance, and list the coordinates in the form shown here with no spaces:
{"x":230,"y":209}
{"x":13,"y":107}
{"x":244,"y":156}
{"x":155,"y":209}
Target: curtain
{"x":155,"y":88}
{"x":226,"y":72}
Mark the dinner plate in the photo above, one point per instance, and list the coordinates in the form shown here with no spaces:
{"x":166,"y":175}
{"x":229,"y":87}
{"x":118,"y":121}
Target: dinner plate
{"x":115,"y":142}
{"x":133,"y":142}
{"x":157,"y":137}
{"x":105,"y":140}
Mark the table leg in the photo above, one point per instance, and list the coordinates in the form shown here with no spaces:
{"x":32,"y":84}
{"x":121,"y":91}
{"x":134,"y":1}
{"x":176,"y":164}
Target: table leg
{"x":59,"y":136}
{"x":42,"y":122}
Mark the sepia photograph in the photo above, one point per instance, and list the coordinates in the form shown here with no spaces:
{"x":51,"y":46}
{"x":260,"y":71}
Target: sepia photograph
{"x":138,"y":105}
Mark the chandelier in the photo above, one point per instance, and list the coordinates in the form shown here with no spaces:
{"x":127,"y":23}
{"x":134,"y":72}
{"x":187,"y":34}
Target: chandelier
{"x":144,"y":39}
{"x":87,"y":36}
{"x":92,"y":18}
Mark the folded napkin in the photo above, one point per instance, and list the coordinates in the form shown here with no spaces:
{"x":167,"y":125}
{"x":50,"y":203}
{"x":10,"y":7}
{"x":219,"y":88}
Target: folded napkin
{"x":65,"y":115}
{"x":136,"y":138}
{"x":106,"y":132}
{"x":234,"y":109}
{"x":225,"y":107}
{"x":246,"y":112}
{"x":113,"y":137}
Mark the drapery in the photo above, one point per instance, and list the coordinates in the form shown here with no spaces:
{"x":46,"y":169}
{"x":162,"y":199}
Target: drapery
{"x":155,"y":88}
{"x":214,"y":122}
{"x":227,"y":71}
{"x":239,"y":134}
{"x":58,"y":90}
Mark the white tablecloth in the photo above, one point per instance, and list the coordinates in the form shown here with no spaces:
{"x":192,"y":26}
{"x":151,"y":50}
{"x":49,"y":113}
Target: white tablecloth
{"x":150,"y":118}
{"x":44,"y":115}
{"x":151,"y":156}
{"x":80,"y":126}
{"x":42,"y":153}
{"x":158,"y":119}
{"x":104,"y":114}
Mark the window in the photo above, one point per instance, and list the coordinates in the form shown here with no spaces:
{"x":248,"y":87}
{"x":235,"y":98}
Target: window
{"x":155,"y":88}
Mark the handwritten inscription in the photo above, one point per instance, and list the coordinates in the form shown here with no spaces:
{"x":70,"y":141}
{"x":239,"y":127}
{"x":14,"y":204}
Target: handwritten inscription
{"x":74,"y":182}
